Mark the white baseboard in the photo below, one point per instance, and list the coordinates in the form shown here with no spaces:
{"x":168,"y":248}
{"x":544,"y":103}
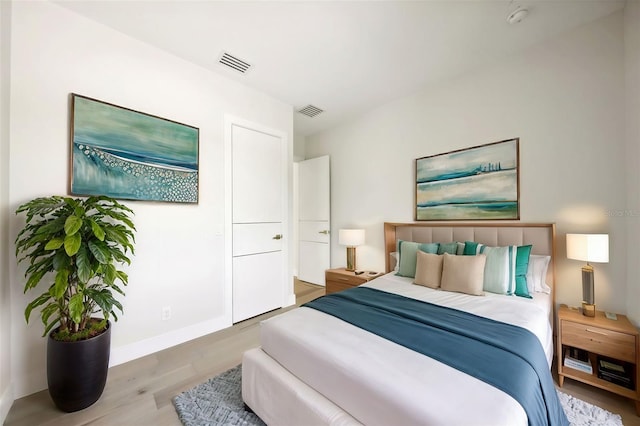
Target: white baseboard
{"x":6,"y":401}
{"x":122,"y":354}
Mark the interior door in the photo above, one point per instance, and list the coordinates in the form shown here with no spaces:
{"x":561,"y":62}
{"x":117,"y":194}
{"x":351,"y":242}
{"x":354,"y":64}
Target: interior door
{"x":314,"y":219}
{"x":258,"y":209}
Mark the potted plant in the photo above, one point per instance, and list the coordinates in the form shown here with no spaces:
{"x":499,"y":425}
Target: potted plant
{"x":73,"y":247}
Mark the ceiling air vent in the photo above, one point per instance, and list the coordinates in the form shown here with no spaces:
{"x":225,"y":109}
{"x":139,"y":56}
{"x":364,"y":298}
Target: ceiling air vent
{"x":310,"y":111}
{"x":234,"y":63}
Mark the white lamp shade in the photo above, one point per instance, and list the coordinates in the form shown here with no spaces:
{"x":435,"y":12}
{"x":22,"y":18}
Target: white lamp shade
{"x":588,"y":247}
{"x":351,"y":237}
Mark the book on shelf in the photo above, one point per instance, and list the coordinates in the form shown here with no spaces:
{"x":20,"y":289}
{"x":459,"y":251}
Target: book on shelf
{"x":615,"y":372}
{"x":611,"y":367}
{"x":618,"y":380}
{"x":579,"y":354}
{"x":578,"y":360}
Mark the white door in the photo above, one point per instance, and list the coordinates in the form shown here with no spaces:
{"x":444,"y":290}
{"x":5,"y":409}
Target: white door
{"x":314,"y":224}
{"x":258,"y":211}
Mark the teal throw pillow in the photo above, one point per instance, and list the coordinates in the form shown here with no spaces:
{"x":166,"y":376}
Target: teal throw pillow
{"x":522,"y":266}
{"x":431,"y":248}
{"x":470,"y":248}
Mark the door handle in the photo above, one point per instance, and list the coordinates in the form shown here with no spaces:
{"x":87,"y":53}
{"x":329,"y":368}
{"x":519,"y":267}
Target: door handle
{"x":277,"y":237}
{"x":325,"y":232}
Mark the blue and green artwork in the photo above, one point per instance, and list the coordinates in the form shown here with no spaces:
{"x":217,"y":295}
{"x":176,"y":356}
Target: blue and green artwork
{"x":471,"y":184}
{"x":131,"y":155}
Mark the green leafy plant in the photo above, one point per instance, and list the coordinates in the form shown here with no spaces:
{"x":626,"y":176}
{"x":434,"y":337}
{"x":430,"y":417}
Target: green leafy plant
{"x":74,"y":245}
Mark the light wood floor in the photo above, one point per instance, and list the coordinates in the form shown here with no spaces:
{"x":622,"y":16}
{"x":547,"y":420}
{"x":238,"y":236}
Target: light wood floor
{"x":140,"y":392}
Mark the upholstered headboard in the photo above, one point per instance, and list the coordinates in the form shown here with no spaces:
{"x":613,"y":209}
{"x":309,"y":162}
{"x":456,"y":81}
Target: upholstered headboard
{"x":540,"y":235}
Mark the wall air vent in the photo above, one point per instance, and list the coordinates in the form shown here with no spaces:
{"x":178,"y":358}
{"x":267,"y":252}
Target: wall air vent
{"x":234,"y":63}
{"x":310,"y":111}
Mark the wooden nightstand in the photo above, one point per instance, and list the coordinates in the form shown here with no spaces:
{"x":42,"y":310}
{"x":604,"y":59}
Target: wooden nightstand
{"x":602,"y":338}
{"x":341,"y":279}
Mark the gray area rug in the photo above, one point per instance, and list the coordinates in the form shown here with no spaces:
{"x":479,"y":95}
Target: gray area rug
{"x":218,"y":401}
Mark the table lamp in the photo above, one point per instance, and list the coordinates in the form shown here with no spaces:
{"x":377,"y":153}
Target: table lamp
{"x":351,"y":238}
{"x":589,"y":248}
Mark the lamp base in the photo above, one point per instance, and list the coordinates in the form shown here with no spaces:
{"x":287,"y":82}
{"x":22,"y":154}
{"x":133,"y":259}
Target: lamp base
{"x":588,"y":309}
{"x":351,"y":259}
{"x":588,"y":305}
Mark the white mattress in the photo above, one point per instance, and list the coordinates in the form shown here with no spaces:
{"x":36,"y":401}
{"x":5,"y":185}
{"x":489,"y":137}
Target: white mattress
{"x":379,"y":382}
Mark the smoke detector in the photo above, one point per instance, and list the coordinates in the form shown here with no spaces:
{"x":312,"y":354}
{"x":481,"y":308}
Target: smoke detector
{"x":517,"y":15}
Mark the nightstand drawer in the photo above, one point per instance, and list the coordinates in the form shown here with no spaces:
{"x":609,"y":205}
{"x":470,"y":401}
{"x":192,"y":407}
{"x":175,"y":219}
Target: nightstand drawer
{"x":352,"y":280}
{"x":599,"y":340}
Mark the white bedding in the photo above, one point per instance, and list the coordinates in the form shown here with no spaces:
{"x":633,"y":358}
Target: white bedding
{"x":381,"y":383}
{"x":532,"y":314}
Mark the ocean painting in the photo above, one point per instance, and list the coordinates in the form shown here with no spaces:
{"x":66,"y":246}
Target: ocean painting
{"x":471,"y":184}
{"x":131,"y":155}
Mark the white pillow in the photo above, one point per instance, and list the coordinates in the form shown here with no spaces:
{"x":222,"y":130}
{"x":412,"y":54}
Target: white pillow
{"x":537,"y":274}
{"x":394,"y":255}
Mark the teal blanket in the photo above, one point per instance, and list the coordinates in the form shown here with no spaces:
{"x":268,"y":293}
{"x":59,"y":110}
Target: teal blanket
{"x":505,"y":356}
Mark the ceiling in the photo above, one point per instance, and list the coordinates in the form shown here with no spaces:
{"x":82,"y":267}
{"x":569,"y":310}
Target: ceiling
{"x":345,"y":57}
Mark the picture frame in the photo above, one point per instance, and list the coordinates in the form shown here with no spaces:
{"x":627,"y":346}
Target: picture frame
{"x":477,"y":183}
{"x":127,"y":154}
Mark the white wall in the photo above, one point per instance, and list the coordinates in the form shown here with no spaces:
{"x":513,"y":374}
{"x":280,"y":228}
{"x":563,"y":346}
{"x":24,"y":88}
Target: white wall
{"x":179,"y":259}
{"x":299,"y":143}
{"x":632,"y":126}
{"x":6,"y":390}
{"x":564,"y":99}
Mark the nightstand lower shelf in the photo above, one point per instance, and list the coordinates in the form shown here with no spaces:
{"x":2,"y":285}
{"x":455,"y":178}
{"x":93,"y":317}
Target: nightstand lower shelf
{"x":593,"y":380}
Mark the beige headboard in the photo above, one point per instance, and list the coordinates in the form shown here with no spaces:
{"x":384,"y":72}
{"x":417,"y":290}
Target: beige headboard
{"x":540,"y":235}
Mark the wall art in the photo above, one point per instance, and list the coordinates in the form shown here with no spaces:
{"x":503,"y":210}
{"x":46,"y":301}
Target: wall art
{"x":477,"y":183}
{"x":127,"y":154}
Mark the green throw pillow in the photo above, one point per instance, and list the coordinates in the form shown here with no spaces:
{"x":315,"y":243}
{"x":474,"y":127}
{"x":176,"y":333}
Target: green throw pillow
{"x":408,"y":252}
{"x":470,"y":248}
{"x":450,"y":248}
{"x":522,"y":266}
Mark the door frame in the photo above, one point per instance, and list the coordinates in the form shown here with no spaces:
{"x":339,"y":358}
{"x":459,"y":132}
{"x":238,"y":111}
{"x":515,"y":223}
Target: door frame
{"x":288,"y":296}
{"x":297,"y":215}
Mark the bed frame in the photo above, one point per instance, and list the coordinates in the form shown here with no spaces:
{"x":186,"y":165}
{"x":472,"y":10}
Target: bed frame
{"x":278,"y":397}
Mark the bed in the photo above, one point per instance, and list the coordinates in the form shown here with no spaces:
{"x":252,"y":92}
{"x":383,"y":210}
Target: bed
{"x":315,"y":368}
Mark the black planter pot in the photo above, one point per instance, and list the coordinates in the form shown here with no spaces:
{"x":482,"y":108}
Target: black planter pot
{"x":77,"y":371}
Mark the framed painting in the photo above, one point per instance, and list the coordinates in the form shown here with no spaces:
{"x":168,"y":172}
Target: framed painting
{"x":127,"y":154}
{"x":477,"y":183}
